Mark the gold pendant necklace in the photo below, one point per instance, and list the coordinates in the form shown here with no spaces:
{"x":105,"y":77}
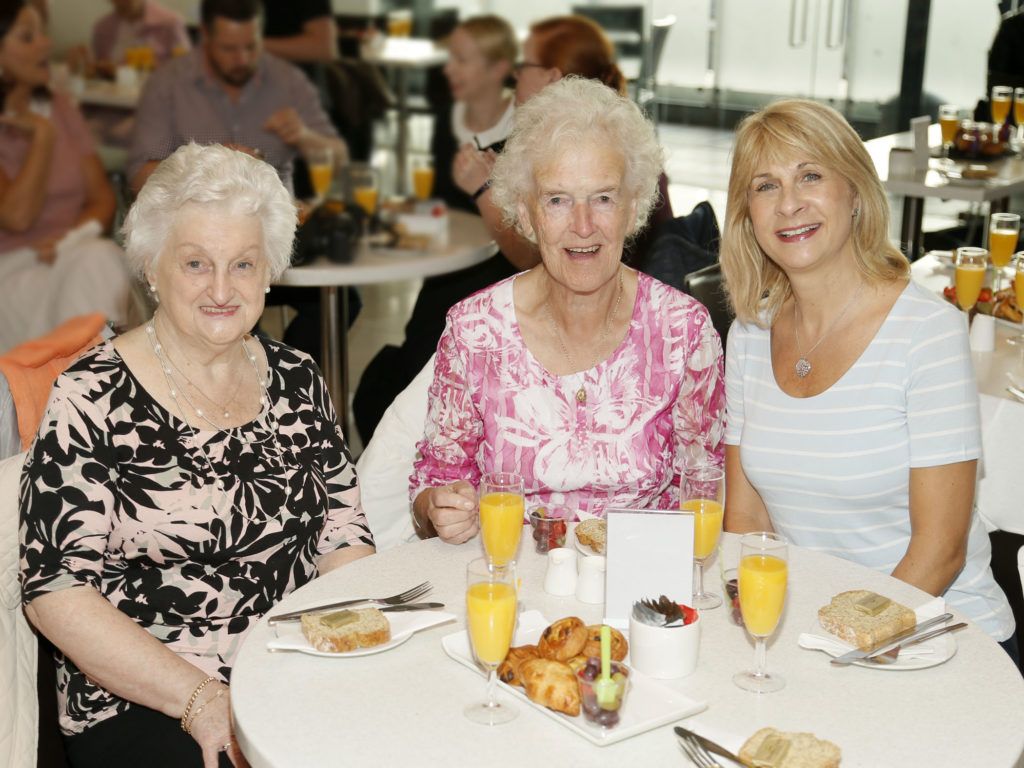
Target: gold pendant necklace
{"x":581,"y":393}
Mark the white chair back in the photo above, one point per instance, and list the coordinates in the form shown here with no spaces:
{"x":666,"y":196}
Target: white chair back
{"x":1020,"y":565}
{"x":386,"y":464}
{"x":19,"y":708}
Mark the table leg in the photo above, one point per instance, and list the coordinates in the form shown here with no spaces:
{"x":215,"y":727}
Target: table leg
{"x":334,"y":351}
{"x":911,"y":235}
{"x":402,"y":140}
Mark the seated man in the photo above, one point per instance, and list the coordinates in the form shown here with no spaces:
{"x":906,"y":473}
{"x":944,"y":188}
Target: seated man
{"x":302,"y":31}
{"x":229,"y":91}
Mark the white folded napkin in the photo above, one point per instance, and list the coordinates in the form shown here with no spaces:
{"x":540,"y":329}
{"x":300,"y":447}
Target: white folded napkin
{"x":402,"y":623}
{"x":820,"y":640}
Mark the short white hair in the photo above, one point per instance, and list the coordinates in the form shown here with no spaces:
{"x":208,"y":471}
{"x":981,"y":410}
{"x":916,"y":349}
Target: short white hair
{"x":567,"y":113}
{"x":210,"y":175}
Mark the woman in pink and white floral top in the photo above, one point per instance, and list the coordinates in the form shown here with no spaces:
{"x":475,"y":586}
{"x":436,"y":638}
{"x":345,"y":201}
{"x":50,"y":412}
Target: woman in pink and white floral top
{"x":597,"y":384}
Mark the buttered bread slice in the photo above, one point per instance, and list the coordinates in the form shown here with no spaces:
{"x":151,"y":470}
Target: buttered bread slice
{"x":344,"y":631}
{"x":769,"y":748}
{"x":865,"y":619}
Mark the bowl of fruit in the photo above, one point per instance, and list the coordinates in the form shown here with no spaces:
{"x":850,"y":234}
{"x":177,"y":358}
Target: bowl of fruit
{"x":549,"y":527}
{"x":602,"y":701}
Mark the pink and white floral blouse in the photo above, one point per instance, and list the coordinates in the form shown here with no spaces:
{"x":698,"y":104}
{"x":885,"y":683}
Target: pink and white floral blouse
{"x":654,"y":407}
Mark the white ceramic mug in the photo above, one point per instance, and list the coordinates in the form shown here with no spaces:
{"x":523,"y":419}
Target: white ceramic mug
{"x":664,"y":652}
{"x":590,"y":586}
{"x":560,"y":579}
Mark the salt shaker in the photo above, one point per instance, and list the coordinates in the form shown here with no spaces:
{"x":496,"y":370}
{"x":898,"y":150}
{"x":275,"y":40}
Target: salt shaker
{"x":560,"y":578}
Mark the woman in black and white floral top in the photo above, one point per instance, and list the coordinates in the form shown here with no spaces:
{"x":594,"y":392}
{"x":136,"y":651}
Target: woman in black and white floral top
{"x":186,"y":477}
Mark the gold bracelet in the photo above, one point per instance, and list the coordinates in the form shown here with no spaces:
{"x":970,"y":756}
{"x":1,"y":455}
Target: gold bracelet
{"x":192,"y":700}
{"x":201,"y":707}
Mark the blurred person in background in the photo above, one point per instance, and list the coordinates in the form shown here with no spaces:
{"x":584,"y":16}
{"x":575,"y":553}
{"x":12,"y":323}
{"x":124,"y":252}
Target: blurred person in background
{"x":131,"y":24}
{"x":55,"y":199}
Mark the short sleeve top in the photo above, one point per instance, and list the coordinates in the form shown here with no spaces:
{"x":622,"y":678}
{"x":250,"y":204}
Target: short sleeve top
{"x":116,"y":495}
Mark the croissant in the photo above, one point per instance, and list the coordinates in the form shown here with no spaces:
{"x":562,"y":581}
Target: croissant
{"x":593,"y":646}
{"x":551,"y":684}
{"x":508,"y":671}
{"x":563,"y":639}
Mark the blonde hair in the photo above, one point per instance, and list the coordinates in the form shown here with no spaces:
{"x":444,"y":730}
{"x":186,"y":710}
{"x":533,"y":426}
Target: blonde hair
{"x":567,"y":113}
{"x":493,"y":36}
{"x":757,"y":287}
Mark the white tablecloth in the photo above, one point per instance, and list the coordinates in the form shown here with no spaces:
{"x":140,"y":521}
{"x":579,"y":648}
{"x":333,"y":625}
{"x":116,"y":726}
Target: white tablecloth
{"x":404,"y":706}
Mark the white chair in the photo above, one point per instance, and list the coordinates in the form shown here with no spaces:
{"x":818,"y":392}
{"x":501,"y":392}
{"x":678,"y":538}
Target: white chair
{"x":19,"y":709}
{"x":1020,"y":565}
{"x":386,"y":464}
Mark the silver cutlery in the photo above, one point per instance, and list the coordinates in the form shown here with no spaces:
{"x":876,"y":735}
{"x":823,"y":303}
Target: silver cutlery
{"x":402,"y":597}
{"x":1017,"y":394}
{"x":385,"y":609}
{"x":892,"y":642}
{"x":891,"y":656}
{"x":697,"y":748}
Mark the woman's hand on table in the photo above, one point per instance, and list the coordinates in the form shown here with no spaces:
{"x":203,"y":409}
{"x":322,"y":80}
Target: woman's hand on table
{"x":451,"y":510}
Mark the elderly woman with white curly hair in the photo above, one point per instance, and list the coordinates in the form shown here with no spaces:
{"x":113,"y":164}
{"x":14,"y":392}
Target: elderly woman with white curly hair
{"x":186,"y":477}
{"x":596,"y":384}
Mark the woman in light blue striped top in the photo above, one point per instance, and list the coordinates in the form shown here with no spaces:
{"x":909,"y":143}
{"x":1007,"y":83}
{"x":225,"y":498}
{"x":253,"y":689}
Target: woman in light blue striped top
{"x":853,"y":423}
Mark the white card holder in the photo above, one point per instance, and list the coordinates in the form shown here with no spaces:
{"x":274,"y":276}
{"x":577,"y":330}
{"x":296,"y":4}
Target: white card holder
{"x":650,"y":553}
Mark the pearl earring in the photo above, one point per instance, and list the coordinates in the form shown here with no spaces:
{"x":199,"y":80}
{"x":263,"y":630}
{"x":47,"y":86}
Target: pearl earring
{"x":267,"y":289}
{"x":152,"y":290}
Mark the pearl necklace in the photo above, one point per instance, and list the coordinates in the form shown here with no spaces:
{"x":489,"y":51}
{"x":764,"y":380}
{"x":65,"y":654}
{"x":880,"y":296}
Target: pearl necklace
{"x":581,"y":393}
{"x":165,"y":367}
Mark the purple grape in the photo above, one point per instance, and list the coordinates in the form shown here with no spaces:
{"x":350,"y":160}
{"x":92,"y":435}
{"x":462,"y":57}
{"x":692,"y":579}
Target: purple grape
{"x":607,"y":718}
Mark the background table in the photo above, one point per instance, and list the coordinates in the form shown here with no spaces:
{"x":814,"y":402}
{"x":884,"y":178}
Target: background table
{"x":469,"y":243}
{"x":404,"y":706}
{"x":1009,"y":180}
{"x":1002,"y":417}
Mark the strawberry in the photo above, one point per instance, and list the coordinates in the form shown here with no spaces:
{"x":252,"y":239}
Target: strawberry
{"x":985,"y":296}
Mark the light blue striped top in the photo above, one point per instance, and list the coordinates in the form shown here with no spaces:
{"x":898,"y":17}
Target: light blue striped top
{"x":833,"y":469}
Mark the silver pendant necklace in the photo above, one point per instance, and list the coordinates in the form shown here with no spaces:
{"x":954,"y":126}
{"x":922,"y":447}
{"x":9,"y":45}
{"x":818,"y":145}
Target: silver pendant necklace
{"x":581,"y":393}
{"x":803,"y":365}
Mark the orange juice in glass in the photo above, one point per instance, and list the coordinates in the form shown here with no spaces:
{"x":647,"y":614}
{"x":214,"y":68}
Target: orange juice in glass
{"x":1002,"y":95}
{"x":490,"y":623}
{"x":1002,"y":241}
{"x":702,"y":494}
{"x":321,"y":170}
{"x":949,"y":121}
{"x":970,"y":275}
{"x":763,"y":576}
{"x":423,"y":181}
{"x":366,"y":198}
{"x":502,"y":512}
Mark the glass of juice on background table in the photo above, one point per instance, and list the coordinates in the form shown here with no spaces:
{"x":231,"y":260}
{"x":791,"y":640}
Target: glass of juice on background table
{"x":970,"y":275}
{"x":422,"y":178}
{"x":362,"y":188}
{"x":702,"y":494}
{"x":763,"y":574}
{"x":321,"y":171}
{"x":1002,"y":96}
{"x":949,"y":121}
{"x":1018,"y":113}
{"x":502,"y":514}
{"x":1018,"y":289}
{"x":490,"y":623}
{"x":1002,"y":241}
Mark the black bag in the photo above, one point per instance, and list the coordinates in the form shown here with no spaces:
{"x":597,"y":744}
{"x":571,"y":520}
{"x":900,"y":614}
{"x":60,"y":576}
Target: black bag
{"x":331,"y":234}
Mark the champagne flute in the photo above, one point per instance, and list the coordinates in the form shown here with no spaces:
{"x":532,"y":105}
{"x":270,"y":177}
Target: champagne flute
{"x":1002,"y":241}
{"x":502,"y":514}
{"x":970,"y":274}
{"x":1018,"y":289}
{"x":422,"y":178}
{"x":490,"y":620}
{"x":1002,"y":95}
{"x":702,"y":493}
{"x":949,"y":121}
{"x":763,"y":574}
{"x":1018,"y":114}
{"x":363,"y":190}
{"x":321,"y":170}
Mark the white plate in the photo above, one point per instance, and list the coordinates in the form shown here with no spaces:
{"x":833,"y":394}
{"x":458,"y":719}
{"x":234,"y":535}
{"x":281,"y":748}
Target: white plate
{"x":403,"y":626}
{"x":649,"y":703}
{"x":942,"y":649}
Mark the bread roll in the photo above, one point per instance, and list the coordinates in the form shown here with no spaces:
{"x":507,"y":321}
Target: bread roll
{"x":843,"y":619}
{"x":370,"y":627}
{"x":804,"y":750}
{"x":593,"y":533}
{"x":563,"y":639}
{"x":552,"y":684}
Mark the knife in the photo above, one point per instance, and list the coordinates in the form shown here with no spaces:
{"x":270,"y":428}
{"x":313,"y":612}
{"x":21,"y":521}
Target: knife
{"x":710,"y":746}
{"x":891,"y":642}
{"x":890,"y":656}
{"x":385,"y":609}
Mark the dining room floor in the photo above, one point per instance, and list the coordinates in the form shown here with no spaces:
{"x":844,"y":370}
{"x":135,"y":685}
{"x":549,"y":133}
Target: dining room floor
{"x":697,"y":165}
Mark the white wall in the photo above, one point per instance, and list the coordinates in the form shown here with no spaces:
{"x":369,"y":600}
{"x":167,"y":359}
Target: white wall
{"x":71,"y":20}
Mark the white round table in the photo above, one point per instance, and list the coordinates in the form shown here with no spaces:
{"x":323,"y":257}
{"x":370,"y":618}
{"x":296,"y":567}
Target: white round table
{"x":404,"y":706}
{"x":469,"y":243}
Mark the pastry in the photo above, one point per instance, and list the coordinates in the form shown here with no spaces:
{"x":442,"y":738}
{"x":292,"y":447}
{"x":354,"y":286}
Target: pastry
{"x":563,"y":639}
{"x":593,"y":646}
{"x":552,"y":684}
{"x":508,"y":671}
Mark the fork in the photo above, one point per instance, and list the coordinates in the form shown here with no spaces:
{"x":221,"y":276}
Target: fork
{"x":407,"y":596}
{"x":696,"y":752}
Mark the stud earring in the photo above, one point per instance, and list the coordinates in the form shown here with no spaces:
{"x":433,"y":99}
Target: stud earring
{"x":152,"y":290}
{"x":856,"y":212}
{"x":267,"y":289}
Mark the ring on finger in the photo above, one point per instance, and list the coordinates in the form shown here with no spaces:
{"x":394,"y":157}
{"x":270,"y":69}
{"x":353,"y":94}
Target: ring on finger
{"x":225,"y":748}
